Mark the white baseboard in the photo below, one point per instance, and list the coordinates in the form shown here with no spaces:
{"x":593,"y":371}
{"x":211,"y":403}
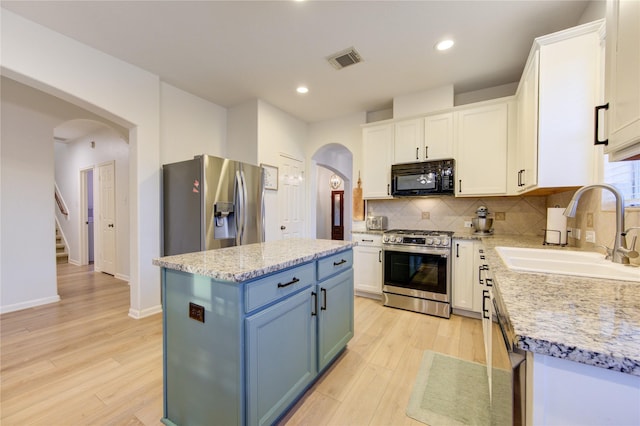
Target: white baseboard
{"x":74,"y":262}
{"x":29,"y":304}
{"x":138,"y":314}
{"x":122,"y":277}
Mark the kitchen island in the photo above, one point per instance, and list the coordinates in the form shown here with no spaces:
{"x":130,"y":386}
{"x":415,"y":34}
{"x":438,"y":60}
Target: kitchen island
{"x":248,"y":329}
{"x":582,"y":337}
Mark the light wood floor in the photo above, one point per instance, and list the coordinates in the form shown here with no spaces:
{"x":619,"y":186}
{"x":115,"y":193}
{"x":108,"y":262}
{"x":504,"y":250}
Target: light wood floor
{"x":84,"y":361}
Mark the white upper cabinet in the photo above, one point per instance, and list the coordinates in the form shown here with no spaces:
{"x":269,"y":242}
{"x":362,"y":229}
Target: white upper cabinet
{"x":409,"y":141}
{"x":526,"y":163}
{"x":481,"y":149}
{"x":623,"y":79}
{"x":377,"y":157}
{"x":438,"y":136}
{"x":556,"y":98}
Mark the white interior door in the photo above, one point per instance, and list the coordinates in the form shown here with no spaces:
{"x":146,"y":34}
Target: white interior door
{"x":107,"y":218}
{"x":291,"y":197}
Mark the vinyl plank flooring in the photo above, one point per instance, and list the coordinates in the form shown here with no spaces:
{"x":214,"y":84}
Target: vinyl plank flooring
{"x":83,"y":361}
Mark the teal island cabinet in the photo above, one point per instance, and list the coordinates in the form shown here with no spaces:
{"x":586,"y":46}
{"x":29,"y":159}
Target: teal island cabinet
{"x":248,"y":329}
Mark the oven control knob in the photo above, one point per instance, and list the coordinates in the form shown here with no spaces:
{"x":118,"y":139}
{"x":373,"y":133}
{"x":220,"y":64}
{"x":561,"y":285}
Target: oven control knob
{"x":436,"y":241}
{"x":385,"y":239}
{"x":445,"y":241}
{"x":429,"y":241}
{"x":398,"y":239}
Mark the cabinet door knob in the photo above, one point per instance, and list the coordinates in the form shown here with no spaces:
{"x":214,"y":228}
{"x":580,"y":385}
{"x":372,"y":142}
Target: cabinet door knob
{"x":283,"y":227}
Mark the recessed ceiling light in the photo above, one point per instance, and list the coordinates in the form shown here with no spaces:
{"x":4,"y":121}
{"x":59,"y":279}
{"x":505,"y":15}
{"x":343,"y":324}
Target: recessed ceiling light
{"x":302,"y":89}
{"x":444,"y":44}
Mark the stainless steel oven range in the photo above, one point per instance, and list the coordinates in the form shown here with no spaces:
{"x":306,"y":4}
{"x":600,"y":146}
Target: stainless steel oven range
{"x":417,"y":271}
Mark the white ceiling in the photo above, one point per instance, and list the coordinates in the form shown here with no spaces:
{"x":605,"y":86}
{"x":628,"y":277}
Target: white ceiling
{"x":229,"y":52}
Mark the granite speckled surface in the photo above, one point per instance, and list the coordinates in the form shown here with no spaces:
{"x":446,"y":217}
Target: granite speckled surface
{"x":588,"y":320}
{"x":242,"y":263}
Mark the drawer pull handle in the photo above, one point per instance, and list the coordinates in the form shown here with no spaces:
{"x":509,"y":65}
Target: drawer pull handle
{"x":339,"y":263}
{"x":489,"y":282}
{"x":368,"y":241}
{"x":293,"y":281}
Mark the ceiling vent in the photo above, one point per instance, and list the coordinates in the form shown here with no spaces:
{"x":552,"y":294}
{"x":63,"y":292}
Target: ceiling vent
{"x":344,"y":58}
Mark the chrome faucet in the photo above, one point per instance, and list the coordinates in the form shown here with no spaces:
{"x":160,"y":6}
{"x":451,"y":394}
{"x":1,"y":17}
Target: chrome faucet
{"x":619,"y":253}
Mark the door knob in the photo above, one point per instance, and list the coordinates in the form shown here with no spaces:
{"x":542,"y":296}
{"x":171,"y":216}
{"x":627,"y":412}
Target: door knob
{"x":283,"y":227}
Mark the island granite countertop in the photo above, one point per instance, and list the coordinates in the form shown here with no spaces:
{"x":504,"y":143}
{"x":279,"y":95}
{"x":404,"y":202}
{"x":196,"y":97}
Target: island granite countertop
{"x":588,"y":320}
{"x":242,"y":263}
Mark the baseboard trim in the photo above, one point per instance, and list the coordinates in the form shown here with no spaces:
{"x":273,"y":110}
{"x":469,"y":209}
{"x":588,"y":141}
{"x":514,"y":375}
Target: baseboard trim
{"x":74,"y":262}
{"x":29,"y":304}
{"x":139,"y":314}
{"x":122,"y":277}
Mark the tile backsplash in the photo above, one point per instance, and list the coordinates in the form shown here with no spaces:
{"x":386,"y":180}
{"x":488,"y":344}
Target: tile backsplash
{"x":522,"y":215}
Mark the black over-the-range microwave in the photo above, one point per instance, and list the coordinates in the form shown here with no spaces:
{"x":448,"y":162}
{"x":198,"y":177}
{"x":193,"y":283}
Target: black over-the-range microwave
{"x":425,"y":178}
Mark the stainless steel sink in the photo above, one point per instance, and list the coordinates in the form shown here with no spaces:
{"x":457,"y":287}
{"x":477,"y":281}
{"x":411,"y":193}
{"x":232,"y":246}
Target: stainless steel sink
{"x":577,"y":263}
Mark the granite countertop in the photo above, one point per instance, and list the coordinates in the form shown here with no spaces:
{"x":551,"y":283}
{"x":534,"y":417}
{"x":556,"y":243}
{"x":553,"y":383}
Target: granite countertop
{"x":588,"y":320}
{"x":242,"y":263}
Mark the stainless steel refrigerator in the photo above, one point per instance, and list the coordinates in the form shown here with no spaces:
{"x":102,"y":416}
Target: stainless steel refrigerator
{"x":211,"y":202}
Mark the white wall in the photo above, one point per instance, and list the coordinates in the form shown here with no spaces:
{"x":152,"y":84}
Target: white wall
{"x":190,"y":126}
{"x":279,"y":133}
{"x":121,"y":92}
{"x":423,"y":102}
{"x":74,"y":156}
{"x":242,"y":132}
{"x":595,"y":10}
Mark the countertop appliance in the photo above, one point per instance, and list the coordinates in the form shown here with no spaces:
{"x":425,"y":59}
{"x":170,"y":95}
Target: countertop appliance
{"x":417,"y":271}
{"x":211,"y":202}
{"x":482,"y":223}
{"x":376,"y":223}
{"x":425,"y":178}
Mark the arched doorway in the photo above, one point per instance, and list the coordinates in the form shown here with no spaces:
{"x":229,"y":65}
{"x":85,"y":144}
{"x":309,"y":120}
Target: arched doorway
{"x":328,"y":160}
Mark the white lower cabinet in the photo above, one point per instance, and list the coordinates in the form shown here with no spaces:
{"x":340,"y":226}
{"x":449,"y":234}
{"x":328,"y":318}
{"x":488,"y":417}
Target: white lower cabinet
{"x":467,"y":293}
{"x":367,"y":265}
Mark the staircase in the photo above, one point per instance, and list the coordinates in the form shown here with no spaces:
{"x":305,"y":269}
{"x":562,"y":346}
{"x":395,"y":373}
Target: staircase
{"x":61,"y":250}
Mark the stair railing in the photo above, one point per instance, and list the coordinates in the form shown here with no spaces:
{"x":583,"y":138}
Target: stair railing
{"x":59,"y":201}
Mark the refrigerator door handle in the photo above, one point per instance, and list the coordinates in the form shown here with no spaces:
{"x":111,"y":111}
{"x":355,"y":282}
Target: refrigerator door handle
{"x":262,"y":211}
{"x":239,"y":207}
{"x":244,"y":205}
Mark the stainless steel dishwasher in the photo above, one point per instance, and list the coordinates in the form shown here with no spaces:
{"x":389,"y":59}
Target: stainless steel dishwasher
{"x":508,"y":367}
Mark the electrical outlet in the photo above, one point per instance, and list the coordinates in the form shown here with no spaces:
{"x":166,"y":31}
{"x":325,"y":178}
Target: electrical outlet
{"x":590,"y":236}
{"x":426,"y":215}
{"x":499,"y":216}
{"x":576,"y":233}
{"x":589,"y":220}
{"x":196,"y":312}
{"x":467,"y":224}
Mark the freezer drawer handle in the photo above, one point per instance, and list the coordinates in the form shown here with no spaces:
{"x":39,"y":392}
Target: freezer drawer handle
{"x":339,"y":263}
{"x":293,"y":281}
